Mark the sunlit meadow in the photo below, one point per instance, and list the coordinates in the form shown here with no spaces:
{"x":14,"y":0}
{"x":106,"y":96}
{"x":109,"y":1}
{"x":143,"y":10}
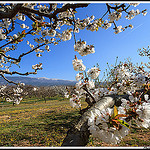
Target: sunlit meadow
{"x":40,"y":124}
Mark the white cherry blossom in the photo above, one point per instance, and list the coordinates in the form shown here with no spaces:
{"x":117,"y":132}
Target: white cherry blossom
{"x":93,"y":72}
{"x":78,"y":65}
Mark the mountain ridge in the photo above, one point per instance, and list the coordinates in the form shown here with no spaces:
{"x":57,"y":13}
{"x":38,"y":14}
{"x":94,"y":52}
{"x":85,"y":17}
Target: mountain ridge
{"x":39,"y":81}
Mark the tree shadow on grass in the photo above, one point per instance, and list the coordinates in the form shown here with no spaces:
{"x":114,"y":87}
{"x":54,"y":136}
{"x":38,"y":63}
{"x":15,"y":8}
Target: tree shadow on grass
{"x":52,"y":121}
{"x":51,"y":124}
{"x":59,"y":121}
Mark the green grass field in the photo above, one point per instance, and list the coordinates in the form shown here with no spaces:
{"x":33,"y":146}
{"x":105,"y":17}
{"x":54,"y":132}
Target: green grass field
{"x":36,"y":123}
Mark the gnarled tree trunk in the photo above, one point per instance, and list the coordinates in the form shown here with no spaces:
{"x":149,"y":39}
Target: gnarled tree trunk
{"x":79,"y":134}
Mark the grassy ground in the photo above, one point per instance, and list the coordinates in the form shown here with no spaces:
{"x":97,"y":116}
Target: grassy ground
{"x":36,"y":123}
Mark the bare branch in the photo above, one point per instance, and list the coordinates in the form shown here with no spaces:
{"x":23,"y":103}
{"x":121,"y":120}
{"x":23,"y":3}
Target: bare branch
{"x":23,"y":54}
{"x":15,"y":72}
{"x":7,"y":79}
{"x":84,"y":88}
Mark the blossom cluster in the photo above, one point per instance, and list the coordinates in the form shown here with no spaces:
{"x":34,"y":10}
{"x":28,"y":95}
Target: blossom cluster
{"x":111,"y":125}
{"x":107,"y":126}
{"x":16,"y":98}
{"x":83,"y":49}
{"x":132,"y":13}
{"x":68,"y":13}
{"x":114,"y":16}
{"x":93,"y":73}
{"x":83,"y":82}
{"x":128,"y":77}
{"x":75,"y":101}
{"x":145,"y":52}
{"x":37,"y":66}
{"x":2,"y":88}
{"x":78,"y":65}
{"x":140,"y":109}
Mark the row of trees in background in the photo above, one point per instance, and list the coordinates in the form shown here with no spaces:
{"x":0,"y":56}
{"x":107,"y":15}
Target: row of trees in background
{"x":40,"y":92}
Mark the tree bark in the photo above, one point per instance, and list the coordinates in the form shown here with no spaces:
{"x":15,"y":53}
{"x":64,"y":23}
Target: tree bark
{"x":79,"y":134}
{"x":11,"y":13}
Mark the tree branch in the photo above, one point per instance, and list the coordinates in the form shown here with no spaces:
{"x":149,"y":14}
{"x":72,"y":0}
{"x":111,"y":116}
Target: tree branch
{"x":79,"y":134}
{"x":7,"y":79}
{"x":23,"y":54}
{"x":15,"y":72}
{"x":52,"y":15}
{"x":12,"y":13}
{"x":84,"y":88}
{"x":15,"y":39}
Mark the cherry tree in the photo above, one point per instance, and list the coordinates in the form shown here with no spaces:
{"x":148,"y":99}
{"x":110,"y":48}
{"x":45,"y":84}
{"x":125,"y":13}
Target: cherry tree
{"x":124,"y":96}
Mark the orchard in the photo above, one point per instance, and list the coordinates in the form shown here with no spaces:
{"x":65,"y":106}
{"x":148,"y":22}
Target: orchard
{"x":113,"y":102}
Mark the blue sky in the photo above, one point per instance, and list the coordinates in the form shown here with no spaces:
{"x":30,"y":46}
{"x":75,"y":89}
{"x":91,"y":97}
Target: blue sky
{"x":108,"y":45}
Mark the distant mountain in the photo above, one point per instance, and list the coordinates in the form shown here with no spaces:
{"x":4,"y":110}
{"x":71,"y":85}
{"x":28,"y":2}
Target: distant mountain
{"x":38,"y":81}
